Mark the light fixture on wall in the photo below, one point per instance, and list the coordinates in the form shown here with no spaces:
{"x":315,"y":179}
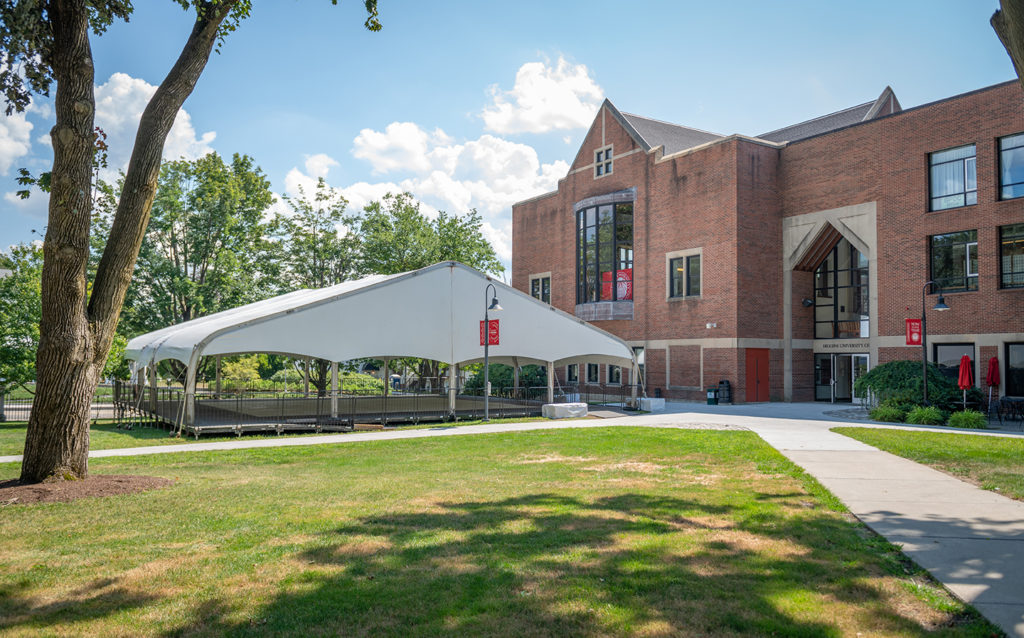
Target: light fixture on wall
{"x":807,"y":302}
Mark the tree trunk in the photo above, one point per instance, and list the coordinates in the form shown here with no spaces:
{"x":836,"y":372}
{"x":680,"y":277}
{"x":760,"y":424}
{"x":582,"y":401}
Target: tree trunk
{"x":57,"y":442}
{"x":76,"y":329}
{"x":1008,"y":23}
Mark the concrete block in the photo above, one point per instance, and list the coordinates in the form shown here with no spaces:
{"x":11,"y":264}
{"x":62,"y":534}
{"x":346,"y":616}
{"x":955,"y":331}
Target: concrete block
{"x":648,"y":404}
{"x":563,"y":410}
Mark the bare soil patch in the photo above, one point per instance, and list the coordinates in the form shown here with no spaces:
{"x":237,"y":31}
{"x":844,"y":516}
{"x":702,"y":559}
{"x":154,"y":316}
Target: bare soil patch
{"x":13,"y":492}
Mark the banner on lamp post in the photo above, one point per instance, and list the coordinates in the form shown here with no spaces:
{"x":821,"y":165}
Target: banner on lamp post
{"x":913,"y":332}
{"x":492,"y":333}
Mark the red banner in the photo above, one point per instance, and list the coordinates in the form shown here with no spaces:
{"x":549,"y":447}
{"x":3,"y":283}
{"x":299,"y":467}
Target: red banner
{"x":492,"y":333}
{"x":623,"y":285}
{"x":913,"y":332}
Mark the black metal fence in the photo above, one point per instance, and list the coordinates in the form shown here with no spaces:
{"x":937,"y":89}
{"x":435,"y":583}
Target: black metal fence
{"x":268,"y":411}
{"x":18,"y":407}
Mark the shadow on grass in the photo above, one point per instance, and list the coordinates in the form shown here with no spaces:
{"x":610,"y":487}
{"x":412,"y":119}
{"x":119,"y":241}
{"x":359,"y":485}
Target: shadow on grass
{"x":99,"y":600}
{"x":546,"y":564}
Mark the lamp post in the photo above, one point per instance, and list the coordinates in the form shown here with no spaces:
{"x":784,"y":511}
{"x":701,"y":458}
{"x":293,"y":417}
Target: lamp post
{"x":940,"y":305}
{"x":490,"y":303}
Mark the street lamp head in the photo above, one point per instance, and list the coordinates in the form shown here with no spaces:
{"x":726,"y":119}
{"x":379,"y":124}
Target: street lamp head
{"x":494,"y":305}
{"x":941,"y":304}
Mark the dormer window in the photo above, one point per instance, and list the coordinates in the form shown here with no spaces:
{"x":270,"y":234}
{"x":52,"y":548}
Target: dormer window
{"x":603,"y":161}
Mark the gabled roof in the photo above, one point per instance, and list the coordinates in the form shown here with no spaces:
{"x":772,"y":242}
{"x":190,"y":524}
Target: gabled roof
{"x":886,"y":103}
{"x":650,"y":133}
{"x":434,"y":313}
{"x":673,"y":137}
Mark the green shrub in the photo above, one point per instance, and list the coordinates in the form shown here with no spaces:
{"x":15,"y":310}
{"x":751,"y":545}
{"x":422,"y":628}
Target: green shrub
{"x":898,"y":384}
{"x":287,"y":375}
{"x":898,"y":404}
{"x":356,"y":383}
{"x":887,"y":413}
{"x":967,"y":419}
{"x":926,"y":415}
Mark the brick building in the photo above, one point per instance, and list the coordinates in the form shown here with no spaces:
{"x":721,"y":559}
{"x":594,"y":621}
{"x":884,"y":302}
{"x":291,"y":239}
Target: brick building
{"x":787,"y":263}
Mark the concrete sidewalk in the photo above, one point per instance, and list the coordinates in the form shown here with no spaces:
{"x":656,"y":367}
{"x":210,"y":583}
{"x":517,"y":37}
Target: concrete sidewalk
{"x":970,"y":539}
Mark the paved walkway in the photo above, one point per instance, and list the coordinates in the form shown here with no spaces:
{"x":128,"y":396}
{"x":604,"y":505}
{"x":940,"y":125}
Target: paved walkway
{"x":970,"y":539}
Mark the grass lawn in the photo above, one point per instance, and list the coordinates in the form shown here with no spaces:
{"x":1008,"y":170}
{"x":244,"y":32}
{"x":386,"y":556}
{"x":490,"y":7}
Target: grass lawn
{"x":104,"y":434}
{"x":596,"y":532}
{"x":993,"y":463}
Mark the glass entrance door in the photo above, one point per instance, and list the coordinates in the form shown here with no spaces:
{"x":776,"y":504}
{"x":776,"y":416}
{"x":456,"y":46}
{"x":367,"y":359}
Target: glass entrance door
{"x":835,"y":374}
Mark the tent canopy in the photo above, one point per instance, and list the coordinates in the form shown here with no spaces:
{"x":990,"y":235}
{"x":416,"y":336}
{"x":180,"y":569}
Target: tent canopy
{"x":433,"y":313}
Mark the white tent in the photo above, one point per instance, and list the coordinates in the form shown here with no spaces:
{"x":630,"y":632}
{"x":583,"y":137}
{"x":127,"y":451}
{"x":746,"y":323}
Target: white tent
{"x":433,"y":313}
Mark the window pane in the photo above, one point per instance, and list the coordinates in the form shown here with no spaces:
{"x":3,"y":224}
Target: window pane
{"x":546,"y":289}
{"x":591,"y":216}
{"x":947,"y":357}
{"x":947,"y":179}
{"x":1011,"y":255}
{"x":535,"y":288}
{"x":1012,"y":141}
{"x":972,"y":260}
{"x":605,"y":214}
{"x":693,"y":275}
{"x":1015,"y":369}
{"x":971,"y":174}
{"x":962,"y":152}
{"x":1011,"y":177}
{"x":675,"y":270}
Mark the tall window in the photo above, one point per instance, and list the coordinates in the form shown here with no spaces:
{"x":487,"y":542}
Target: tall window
{"x":685,"y":276}
{"x":1011,"y":256}
{"x":614,"y":375}
{"x":947,"y":357}
{"x":641,"y":362}
{"x":592,"y":373}
{"x":841,"y":294}
{"x":954,"y":178}
{"x":603,"y":161}
{"x":1011,"y":166}
{"x":572,"y":373}
{"x":1015,"y":369}
{"x":604,"y":258}
{"x":540,"y":288}
{"x":954,"y":260}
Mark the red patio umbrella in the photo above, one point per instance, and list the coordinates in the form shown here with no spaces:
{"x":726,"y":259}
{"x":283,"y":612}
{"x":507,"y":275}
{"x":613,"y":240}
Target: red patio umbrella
{"x":966,"y":379}
{"x":992,"y":378}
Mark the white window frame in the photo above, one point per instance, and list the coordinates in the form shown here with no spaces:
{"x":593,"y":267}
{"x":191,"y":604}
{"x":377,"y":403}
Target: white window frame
{"x":682,"y":254}
{"x":604,"y":159}
{"x":540,"y":276}
{"x":568,"y":376}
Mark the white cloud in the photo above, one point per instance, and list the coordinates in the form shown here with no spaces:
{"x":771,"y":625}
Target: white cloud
{"x":320,"y":164}
{"x":15,"y":139}
{"x":544,"y":98}
{"x":402,"y":146}
{"x":36,"y":206}
{"x":119,"y":106}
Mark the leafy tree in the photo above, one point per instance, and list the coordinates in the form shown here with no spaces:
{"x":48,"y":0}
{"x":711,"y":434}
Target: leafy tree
{"x":205,"y":245}
{"x":241,"y":369}
{"x":321,"y":250}
{"x":321,"y":247}
{"x":19,"y":315}
{"x":44,"y":45}
{"x":502,"y":377}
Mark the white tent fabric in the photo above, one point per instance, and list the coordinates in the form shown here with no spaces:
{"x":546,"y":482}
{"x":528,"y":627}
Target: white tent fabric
{"x":433,"y":313}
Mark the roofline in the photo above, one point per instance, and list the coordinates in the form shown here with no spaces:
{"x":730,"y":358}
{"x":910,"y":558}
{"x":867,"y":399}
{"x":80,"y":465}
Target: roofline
{"x":635,"y":134}
{"x":537,"y":197}
{"x":820,"y":117}
{"x":690,"y":128}
{"x":910,"y":110}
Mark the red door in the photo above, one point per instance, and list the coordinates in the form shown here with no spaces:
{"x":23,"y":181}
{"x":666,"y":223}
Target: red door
{"x":757,"y":374}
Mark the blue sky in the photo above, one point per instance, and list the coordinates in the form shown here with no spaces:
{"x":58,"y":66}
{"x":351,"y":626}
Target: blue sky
{"x":479,"y":104}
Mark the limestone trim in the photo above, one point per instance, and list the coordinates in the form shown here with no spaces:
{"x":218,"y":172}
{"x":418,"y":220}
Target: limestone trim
{"x":858,"y":224}
{"x":676,"y":254}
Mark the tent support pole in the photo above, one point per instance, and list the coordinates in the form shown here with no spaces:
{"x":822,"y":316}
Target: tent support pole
{"x":305,"y":378}
{"x":334,"y":389}
{"x":387,"y":376}
{"x":551,"y":381}
{"x":216,"y":392}
{"x":153,"y":384}
{"x":635,"y":373}
{"x":452,"y":377}
{"x":515,"y":374}
{"x":190,"y":394}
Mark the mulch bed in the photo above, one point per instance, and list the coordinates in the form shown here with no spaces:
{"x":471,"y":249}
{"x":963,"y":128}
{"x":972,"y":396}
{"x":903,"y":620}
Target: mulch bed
{"x":13,"y":492}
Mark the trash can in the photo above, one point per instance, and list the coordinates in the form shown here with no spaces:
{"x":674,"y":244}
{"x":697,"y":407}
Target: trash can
{"x":712,"y":396}
{"x":724,"y":391}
